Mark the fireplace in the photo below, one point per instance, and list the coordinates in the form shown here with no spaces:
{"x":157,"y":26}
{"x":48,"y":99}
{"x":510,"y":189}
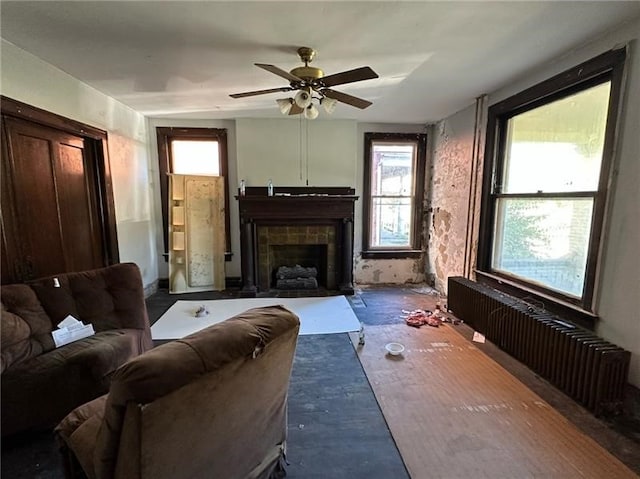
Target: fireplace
{"x":304,"y":245}
{"x":310,"y":227}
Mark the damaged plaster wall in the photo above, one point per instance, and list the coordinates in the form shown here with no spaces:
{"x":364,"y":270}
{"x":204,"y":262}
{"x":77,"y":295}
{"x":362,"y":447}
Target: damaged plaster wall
{"x":449,"y":196}
{"x":391,"y":271}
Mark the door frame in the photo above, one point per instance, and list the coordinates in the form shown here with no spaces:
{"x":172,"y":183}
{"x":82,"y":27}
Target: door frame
{"x":96,"y":147}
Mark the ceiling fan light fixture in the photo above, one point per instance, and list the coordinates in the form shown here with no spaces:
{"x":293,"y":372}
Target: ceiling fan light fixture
{"x":311,"y":112}
{"x":303,"y":98}
{"x":285,"y":105}
{"x":310,"y":81}
{"x":329,"y":104}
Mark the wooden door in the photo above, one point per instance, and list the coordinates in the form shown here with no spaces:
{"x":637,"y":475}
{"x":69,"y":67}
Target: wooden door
{"x":50,"y":207}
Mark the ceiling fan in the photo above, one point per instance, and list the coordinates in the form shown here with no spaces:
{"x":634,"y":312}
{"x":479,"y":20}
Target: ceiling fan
{"x":310,"y":80}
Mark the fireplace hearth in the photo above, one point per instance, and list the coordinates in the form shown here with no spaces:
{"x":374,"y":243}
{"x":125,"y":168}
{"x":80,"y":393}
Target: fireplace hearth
{"x":310,"y":227}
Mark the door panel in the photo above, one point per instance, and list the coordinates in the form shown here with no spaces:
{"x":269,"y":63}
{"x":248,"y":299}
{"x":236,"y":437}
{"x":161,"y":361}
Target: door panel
{"x":50,"y":214}
{"x":80,"y":231}
{"x":35,"y":205}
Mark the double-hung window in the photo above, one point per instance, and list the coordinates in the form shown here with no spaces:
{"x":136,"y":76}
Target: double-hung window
{"x":547,"y":171}
{"x":394,"y":167}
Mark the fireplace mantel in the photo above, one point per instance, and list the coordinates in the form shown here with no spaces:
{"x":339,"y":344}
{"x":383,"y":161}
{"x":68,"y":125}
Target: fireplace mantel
{"x":297,"y":206}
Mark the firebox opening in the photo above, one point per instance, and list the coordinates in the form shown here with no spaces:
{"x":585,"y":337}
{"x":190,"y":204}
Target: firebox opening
{"x":304,"y":255}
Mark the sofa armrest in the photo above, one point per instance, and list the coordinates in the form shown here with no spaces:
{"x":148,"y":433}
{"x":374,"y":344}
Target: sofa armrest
{"x":24,"y":325}
{"x":76,"y":435}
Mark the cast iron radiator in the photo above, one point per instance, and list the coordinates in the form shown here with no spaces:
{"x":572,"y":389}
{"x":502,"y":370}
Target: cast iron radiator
{"x":584,"y":366}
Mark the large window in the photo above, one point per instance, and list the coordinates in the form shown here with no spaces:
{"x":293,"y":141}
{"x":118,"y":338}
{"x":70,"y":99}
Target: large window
{"x":548,"y":170}
{"x":394,"y":186}
{"x":192,"y":151}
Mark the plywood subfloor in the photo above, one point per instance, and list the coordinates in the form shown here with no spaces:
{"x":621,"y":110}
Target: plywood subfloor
{"x":455,"y":413}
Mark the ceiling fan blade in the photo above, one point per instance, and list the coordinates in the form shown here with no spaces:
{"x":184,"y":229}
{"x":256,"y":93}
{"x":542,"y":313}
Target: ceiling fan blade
{"x":279,"y":71}
{"x":295,"y":109}
{"x":261,"y":92}
{"x":350,"y":76}
{"x":348,"y":99}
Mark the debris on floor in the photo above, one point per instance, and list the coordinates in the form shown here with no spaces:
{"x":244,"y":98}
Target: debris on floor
{"x":426,"y":290}
{"x":445,"y":317}
{"x":420,"y":317}
{"x":478,"y":337}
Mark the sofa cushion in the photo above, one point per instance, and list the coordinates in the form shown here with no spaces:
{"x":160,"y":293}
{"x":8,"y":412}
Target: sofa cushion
{"x":25,"y":326}
{"x":108,"y":298}
{"x":77,"y":372}
{"x":100,"y":354}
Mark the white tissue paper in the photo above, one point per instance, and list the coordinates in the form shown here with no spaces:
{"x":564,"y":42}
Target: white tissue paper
{"x":70,"y":330}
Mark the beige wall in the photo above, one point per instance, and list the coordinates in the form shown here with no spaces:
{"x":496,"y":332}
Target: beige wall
{"x":618,"y":282}
{"x":32,"y":81}
{"x":278,"y":149}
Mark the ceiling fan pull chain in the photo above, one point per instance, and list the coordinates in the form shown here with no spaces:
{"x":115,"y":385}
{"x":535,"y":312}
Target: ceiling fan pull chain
{"x":300,"y":145}
{"x":307,"y":138}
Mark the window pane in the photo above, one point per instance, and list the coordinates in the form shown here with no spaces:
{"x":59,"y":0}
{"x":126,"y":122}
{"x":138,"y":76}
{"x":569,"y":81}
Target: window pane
{"x":544,"y":241}
{"x":392,"y":169}
{"x":194,"y":157}
{"x":391,"y":222}
{"x":558,"y":147}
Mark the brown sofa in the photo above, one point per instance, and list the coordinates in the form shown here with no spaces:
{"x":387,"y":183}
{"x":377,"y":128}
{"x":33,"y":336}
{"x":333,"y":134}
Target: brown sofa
{"x":210,"y":405}
{"x":41,"y":383}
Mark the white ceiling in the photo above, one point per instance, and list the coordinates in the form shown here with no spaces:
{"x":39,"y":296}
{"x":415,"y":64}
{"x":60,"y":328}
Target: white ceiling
{"x":183,"y":59}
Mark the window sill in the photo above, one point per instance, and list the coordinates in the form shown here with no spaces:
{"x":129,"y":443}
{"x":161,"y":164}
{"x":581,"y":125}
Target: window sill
{"x":391,"y":254}
{"x":563,"y":309}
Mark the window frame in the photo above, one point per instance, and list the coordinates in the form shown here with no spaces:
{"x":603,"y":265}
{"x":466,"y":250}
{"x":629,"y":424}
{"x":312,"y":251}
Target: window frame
{"x":165,"y":136}
{"x":608,"y":66}
{"x":414,"y":250}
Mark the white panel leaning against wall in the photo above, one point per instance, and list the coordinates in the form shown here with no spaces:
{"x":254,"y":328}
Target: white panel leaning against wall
{"x":196,"y":233}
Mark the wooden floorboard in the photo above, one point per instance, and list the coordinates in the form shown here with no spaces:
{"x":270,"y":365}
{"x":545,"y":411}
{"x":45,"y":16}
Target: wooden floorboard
{"x":456,"y":413}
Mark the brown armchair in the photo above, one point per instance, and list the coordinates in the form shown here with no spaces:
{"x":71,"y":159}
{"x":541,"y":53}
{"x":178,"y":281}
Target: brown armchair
{"x":210,"y":405}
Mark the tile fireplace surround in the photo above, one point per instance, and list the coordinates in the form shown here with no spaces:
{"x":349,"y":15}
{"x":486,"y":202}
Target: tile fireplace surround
{"x":306,"y":221}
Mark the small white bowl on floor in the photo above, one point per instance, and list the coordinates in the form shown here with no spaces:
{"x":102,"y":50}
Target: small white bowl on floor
{"x":394,"y":348}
